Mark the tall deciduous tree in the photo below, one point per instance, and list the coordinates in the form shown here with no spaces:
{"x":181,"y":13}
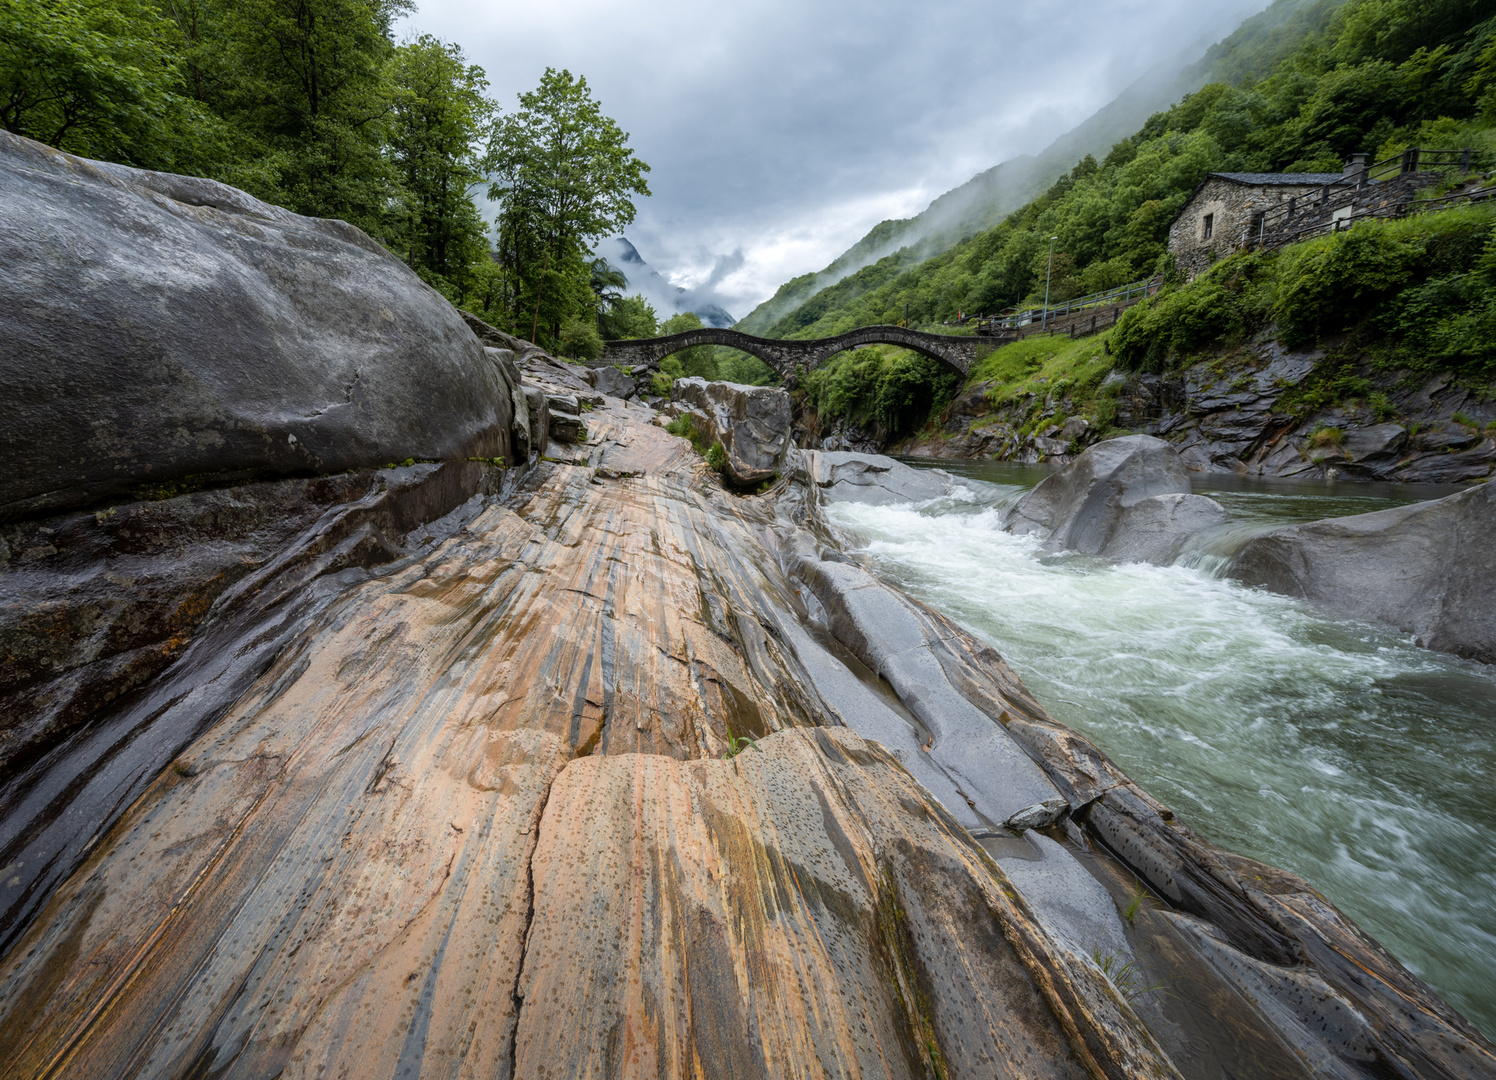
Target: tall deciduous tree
{"x":563,"y":175}
{"x":309,"y":78}
{"x":92,"y":78}
{"x":441,"y":118}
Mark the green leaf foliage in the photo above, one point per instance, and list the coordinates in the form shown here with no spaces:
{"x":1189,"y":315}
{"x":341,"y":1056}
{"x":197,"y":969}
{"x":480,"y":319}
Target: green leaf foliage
{"x":1417,"y":293}
{"x":563,"y":176}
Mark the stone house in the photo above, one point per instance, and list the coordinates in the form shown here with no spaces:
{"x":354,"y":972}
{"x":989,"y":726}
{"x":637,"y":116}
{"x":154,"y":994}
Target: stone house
{"x":1223,"y":210}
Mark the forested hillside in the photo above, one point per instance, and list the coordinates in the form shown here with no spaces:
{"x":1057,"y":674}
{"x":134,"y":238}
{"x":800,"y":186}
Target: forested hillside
{"x":989,"y":197}
{"x":1371,"y":75}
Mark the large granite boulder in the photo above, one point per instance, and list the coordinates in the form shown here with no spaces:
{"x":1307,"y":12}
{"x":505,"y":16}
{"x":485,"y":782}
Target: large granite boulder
{"x":614,"y":383}
{"x":842,"y":476}
{"x":751,"y":422}
{"x":155,"y":327}
{"x":1126,"y":499}
{"x":1428,"y":568}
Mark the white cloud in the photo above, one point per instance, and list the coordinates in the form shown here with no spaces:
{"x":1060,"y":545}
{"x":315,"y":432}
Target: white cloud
{"x":784,"y":130}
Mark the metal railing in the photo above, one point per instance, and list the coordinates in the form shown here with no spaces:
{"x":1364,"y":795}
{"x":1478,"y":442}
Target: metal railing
{"x":1014,"y":318}
{"x":1328,"y":203}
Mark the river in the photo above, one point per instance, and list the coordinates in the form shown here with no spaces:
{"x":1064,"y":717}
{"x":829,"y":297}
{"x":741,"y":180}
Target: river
{"x":1336,"y":749}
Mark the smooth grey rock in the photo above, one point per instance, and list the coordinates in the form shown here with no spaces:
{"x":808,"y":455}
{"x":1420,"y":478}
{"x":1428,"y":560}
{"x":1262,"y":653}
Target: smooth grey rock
{"x":1376,"y":441}
{"x":614,"y":383}
{"x":894,"y":638}
{"x":842,"y":476}
{"x":539,"y":410}
{"x":1154,"y":529}
{"x":567,"y":427}
{"x":1428,"y":569}
{"x":154,"y":327}
{"x":1038,"y":815}
{"x":1080,"y":507}
{"x":1070,"y":903}
{"x":751,"y":422}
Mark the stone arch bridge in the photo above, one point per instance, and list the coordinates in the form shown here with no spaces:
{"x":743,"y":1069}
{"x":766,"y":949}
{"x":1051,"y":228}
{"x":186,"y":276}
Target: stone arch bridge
{"x":790,"y":357}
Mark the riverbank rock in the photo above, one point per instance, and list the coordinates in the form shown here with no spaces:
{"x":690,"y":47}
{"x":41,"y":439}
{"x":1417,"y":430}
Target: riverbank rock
{"x":842,"y":476}
{"x":156,"y":327}
{"x":751,"y":422}
{"x":1428,"y":569}
{"x":614,"y":382}
{"x":1126,"y":499}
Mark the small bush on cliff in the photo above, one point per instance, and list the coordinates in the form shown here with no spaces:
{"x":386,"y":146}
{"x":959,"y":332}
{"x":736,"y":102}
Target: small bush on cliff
{"x":894,"y":388}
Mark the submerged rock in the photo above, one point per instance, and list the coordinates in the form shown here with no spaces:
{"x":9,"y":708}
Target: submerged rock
{"x":843,"y":476}
{"x":1428,"y":569}
{"x":156,"y":327}
{"x":1126,"y":499}
{"x":751,"y":422}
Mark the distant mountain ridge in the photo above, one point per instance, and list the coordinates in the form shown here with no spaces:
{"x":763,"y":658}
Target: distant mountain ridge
{"x":987,"y":198}
{"x":665,"y":298}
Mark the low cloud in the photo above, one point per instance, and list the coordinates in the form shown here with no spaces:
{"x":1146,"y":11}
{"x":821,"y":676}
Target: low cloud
{"x":780,"y":132}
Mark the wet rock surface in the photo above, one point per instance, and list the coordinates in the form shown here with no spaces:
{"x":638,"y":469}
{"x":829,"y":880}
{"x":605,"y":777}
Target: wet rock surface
{"x":751,"y":422}
{"x":1126,"y":499}
{"x":1247,"y":415}
{"x":477,"y":809}
{"x":251,"y":343}
{"x":1428,"y":569}
{"x":843,"y":476}
{"x":599,"y":768}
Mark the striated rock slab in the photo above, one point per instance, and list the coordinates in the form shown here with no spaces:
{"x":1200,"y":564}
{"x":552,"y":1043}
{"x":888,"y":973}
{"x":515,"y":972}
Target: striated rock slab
{"x":475,"y":819}
{"x":802,"y":910}
{"x":1428,"y":568}
{"x":252,"y":343}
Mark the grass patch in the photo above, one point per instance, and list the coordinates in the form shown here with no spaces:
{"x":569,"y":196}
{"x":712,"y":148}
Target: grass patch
{"x":1325,"y":436}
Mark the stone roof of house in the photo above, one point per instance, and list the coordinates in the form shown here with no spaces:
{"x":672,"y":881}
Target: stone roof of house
{"x":1255,"y":178}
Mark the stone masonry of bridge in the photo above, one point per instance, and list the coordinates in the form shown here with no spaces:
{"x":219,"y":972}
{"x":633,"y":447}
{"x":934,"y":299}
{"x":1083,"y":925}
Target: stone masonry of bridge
{"x":790,"y":357}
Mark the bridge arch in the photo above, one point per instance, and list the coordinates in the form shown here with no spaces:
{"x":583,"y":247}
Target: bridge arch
{"x":788,"y":356}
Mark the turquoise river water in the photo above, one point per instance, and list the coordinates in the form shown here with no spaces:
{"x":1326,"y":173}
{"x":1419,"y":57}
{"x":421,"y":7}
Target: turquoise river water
{"x":1338,"y":750}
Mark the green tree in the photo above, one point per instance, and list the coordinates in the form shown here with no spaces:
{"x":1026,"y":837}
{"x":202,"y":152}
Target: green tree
{"x":629,"y":317}
{"x":440,"y":116}
{"x":563,"y":176}
{"x":95,"y":79}
{"x":309,"y":80}
{"x":698,"y":359}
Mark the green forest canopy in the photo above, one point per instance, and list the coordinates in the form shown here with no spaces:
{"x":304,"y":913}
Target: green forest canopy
{"x":313,"y":105}
{"x":1365,"y":75}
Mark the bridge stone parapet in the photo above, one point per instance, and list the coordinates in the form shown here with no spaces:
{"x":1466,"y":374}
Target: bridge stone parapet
{"x":790,"y":357}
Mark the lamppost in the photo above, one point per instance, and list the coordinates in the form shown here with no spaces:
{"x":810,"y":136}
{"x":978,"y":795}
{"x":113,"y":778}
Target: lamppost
{"x":1044,"y":320}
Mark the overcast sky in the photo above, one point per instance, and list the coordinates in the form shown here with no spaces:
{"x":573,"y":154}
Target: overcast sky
{"x":780,"y":131}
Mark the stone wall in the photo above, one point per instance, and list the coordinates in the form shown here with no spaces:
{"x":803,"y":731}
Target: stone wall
{"x":1234,"y":207}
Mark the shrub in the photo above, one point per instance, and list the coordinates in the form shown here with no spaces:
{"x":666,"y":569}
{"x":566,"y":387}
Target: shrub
{"x":1325,"y":285}
{"x":1326,"y":436}
{"x":716,"y":457}
{"x":1381,"y":406}
{"x":1224,"y":304}
{"x":580,"y":339}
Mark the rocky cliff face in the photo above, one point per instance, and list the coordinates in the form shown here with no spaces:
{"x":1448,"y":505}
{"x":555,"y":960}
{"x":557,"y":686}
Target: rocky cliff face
{"x":1247,"y":417}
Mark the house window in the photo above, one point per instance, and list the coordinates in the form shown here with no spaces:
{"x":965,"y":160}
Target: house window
{"x":1209,"y":225}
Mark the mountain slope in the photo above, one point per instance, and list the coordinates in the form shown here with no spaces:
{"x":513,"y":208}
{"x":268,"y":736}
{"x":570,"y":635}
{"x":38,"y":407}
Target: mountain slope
{"x":1249,"y":53}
